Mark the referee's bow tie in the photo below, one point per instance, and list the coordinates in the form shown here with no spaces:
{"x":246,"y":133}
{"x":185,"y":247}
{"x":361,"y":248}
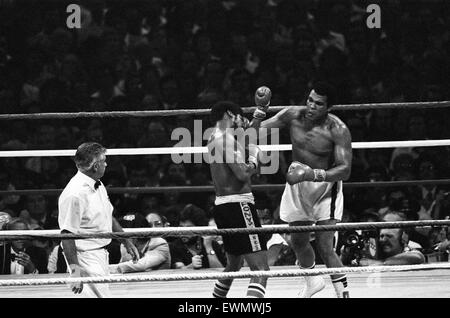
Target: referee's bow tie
{"x":97,"y":184}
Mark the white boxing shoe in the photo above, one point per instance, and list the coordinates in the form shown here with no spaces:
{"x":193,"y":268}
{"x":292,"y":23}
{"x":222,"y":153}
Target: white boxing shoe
{"x":314,"y":284}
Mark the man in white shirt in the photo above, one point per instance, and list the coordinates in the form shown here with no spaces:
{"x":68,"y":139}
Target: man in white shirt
{"x":84,"y":208}
{"x":275,"y":242}
{"x":154,"y":251}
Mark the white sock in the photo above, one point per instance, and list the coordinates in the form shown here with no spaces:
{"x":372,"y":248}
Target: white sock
{"x":340,"y":286}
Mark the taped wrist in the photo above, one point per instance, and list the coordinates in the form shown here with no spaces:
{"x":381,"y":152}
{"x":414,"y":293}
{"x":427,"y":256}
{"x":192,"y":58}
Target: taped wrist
{"x":259,"y":113}
{"x":319,"y":175}
{"x":253,"y":160}
{"x":253,"y":155}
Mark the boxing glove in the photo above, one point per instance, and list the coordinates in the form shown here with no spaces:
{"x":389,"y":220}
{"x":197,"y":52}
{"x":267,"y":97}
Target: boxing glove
{"x":299,"y":172}
{"x":262,"y":101}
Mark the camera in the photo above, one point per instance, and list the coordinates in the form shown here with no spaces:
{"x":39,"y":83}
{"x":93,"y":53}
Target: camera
{"x":353,"y":240}
{"x":357,"y":245}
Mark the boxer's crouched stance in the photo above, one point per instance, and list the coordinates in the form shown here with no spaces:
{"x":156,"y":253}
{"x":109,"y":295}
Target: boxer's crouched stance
{"x":234,"y":204}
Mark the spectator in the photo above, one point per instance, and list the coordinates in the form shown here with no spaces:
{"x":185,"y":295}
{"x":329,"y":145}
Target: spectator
{"x":40,"y":217}
{"x":149,"y":204}
{"x":154,"y":219}
{"x":135,"y":127}
{"x":416,"y":131}
{"x":137,"y":173}
{"x":177,"y":172}
{"x":154,"y":252}
{"x":278,"y":250}
{"x":5,"y":218}
{"x":8,"y":203}
{"x":381,"y":125}
{"x":193,"y":251}
{"x":358,"y":243}
{"x":441,"y":209}
{"x":170,"y":94}
{"x":94,"y":133}
{"x":37,"y":213}
{"x":430,"y":196}
{"x":155,"y":136}
{"x":172,"y":201}
{"x":393,"y":250}
{"x":20,"y":257}
{"x":393,"y":199}
{"x":154,"y":170}
{"x":137,"y":177}
{"x":240,"y":87}
{"x":402,"y":167}
{"x":440,"y":245}
{"x":199,"y":174}
{"x":213,"y":84}
{"x":417,"y":238}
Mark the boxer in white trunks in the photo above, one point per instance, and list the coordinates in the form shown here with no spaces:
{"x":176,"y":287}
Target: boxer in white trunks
{"x":322,"y":157}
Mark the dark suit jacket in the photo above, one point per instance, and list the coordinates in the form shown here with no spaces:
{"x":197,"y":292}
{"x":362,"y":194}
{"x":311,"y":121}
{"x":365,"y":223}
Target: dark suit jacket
{"x":179,"y":252}
{"x":38,"y":257}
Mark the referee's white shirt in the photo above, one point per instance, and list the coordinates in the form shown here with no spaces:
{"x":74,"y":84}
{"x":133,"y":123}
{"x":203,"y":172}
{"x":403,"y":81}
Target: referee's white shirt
{"x":84,"y":210}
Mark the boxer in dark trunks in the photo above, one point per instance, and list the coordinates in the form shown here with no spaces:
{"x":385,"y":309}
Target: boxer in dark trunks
{"x":234,"y":204}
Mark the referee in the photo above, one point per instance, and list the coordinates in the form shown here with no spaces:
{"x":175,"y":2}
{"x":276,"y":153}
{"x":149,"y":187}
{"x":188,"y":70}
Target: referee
{"x":84,"y":208}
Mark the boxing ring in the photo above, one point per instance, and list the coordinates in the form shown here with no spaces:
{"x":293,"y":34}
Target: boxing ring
{"x":405,"y":281}
{"x":411,"y":284}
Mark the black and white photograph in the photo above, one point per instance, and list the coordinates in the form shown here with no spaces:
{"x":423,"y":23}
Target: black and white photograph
{"x":225,"y":156}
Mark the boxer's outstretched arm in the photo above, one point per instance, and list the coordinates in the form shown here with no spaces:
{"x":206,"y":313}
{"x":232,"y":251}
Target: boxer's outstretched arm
{"x":280,"y":120}
{"x":342,"y":154}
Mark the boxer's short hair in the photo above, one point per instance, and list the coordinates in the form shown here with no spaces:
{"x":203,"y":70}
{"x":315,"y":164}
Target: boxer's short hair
{"x":87,"y":153}
{"x":222,"y":107}
{"x":325,"y":89}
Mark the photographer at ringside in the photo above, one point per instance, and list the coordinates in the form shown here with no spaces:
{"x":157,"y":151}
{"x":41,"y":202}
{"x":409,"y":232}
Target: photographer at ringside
{"x":357,"y":244}
{"x":389,"y":247}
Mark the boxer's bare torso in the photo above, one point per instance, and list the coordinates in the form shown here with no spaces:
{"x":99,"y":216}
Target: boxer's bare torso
{"x":314,"y":144}
{"x":227,"y":173}
{"x":322,"y":144}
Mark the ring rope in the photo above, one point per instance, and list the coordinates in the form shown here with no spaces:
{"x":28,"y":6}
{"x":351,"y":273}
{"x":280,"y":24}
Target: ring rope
{"x":222,"y":275}
{"x":202,"y":112}
{"x":209,"y":188}
{"x":207,"y":230}
{"x":193,"y":150}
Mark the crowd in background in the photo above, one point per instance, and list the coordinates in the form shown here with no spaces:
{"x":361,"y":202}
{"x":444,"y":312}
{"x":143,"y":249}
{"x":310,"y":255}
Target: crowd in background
{"x":170,"y":54}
